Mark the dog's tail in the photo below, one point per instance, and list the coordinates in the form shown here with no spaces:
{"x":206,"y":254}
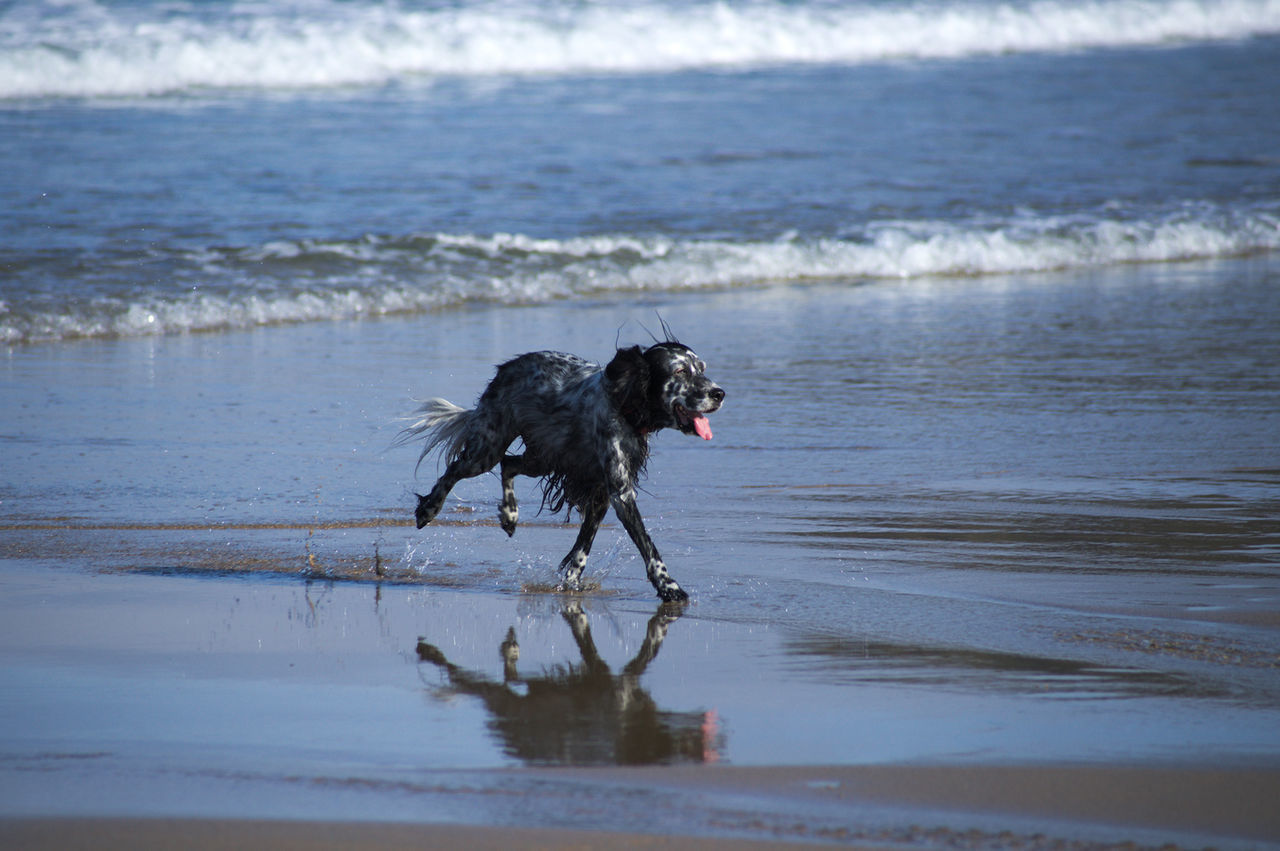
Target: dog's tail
{"x":442,"y":423}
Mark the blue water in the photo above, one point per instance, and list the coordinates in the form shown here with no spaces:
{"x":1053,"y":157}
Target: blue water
{"x":177,"y":167}
{"x":992,"y":288}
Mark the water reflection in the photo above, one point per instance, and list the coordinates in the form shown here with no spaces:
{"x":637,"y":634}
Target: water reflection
{"x":864,"y":662}
{"x":1204,"y":534}
{"x":585,"y":714}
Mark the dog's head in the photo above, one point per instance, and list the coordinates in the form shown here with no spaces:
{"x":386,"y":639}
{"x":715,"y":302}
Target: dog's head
{"x":663,"y":387}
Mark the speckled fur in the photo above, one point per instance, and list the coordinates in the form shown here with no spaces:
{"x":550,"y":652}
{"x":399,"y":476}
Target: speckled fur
{"x":585,"y":429}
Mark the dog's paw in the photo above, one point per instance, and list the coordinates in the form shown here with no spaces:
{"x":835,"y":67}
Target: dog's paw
{"x":507,"y":517}
{"x":672,"y":593}
{"x":425,"y":512}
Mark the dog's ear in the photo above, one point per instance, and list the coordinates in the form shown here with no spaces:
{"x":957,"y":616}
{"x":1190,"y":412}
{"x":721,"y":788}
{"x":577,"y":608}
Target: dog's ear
{"x":628,"y":377}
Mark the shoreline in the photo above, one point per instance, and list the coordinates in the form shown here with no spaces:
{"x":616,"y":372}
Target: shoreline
{"x":973,"y":805}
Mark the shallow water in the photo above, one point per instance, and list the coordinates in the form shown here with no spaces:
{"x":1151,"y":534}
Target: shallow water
{"x":996,"y":479}
{"x":958,"y":545}
{"x":906,"y":543}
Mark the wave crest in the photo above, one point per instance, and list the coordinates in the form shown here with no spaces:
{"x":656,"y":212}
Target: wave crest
{"x":314,"y":280}
{"x":90,"y":50}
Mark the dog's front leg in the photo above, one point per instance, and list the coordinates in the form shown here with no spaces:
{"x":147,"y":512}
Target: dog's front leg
{"x":576,"y":560}
{"x":624,"y":505}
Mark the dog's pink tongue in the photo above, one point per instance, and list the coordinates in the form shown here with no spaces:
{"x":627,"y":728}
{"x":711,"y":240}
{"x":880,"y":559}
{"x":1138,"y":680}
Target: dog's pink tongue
{"x":702,"y":426}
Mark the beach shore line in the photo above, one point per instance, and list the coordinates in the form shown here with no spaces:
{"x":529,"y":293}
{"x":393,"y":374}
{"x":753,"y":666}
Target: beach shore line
{"x":1224,"y":806}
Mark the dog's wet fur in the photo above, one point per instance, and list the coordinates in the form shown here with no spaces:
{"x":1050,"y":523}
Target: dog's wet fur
{"x":585,"y":429}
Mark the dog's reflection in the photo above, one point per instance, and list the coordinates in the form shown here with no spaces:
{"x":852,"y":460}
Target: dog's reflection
{"x":585,"y":714}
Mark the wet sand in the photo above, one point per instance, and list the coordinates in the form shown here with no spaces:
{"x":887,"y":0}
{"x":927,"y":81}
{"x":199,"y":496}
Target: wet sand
{"x":199,"y":834}
{"x":1195,"y":802}
{"x":950,"y":587}
{"x":226,"y":707}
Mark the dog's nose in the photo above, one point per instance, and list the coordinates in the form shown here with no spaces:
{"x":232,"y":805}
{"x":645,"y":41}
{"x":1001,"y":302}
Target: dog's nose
{"x":716,"y":394}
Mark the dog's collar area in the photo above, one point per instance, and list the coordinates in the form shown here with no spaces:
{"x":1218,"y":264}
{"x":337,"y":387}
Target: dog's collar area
{"x":635,"y":419}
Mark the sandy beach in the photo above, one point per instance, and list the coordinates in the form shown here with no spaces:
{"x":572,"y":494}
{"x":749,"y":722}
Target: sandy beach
{"x":199,"y":834}
{"x":1094,"y":801}
{"x":213,"y":709}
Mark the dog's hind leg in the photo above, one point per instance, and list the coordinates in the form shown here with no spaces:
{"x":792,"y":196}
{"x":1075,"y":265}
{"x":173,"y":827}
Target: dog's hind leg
{"x":480,"y":455}
{"x":429,"y":506}
{"x":509,"y":510}
{"x":576,"y":560}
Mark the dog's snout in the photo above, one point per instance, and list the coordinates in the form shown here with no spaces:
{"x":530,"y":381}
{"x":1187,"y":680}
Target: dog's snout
{"x":716,"y":394}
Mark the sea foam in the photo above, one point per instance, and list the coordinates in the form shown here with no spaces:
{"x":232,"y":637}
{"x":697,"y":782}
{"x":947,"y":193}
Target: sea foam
{"x":317,"y":280}
{"x":88,"y":49}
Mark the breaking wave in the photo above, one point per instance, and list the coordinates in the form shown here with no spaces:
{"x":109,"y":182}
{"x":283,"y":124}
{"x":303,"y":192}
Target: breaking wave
{"x":82,"y":48}
{"x":314,"y":280}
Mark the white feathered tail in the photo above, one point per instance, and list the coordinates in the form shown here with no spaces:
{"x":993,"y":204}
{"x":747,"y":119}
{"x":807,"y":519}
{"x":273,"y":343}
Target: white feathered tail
{"x":443,"y":424}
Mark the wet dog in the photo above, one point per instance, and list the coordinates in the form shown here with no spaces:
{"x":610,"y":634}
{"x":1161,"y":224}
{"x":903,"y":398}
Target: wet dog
{"x":585,"y":429}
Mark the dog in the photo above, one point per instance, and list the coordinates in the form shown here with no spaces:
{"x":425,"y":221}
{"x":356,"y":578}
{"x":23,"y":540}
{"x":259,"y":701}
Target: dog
{"x":585,"y":429}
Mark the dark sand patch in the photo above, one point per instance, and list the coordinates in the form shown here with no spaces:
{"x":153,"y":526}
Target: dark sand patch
{"x":199,"y":834}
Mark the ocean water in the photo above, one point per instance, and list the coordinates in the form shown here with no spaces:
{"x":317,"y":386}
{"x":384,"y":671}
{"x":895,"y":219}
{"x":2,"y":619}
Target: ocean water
{"x":993,"y":289}
{"x":176,"y":167}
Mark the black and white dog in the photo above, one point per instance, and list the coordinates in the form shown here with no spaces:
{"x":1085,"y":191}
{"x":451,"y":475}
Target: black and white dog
{"x":585,"y":429}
